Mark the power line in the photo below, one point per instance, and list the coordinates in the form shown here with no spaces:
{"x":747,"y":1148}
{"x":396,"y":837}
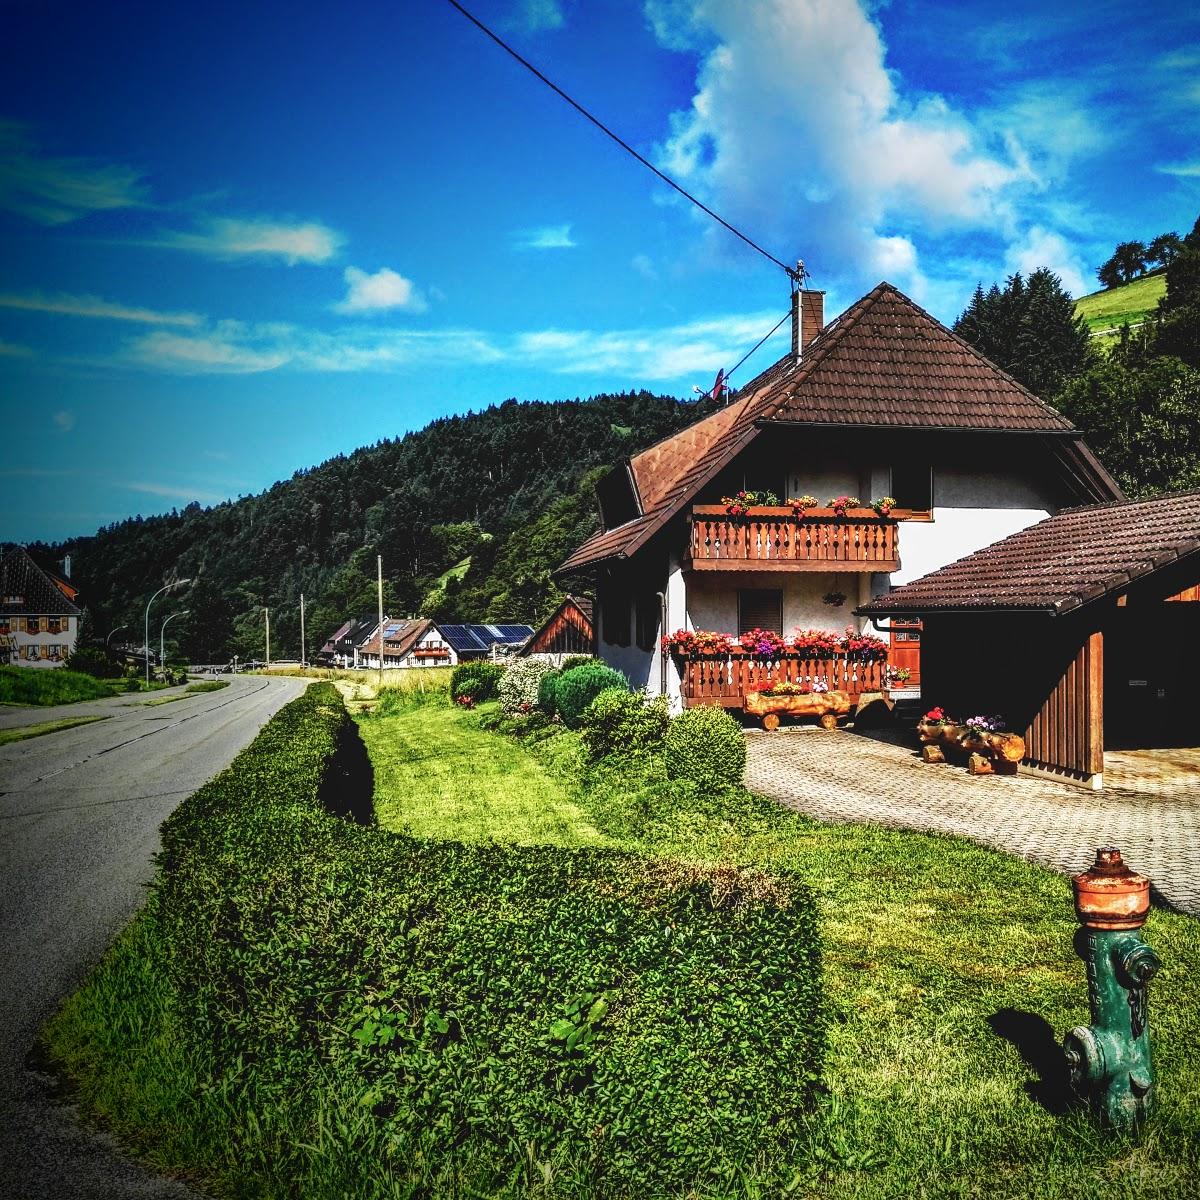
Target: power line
{"x":723,"y":376}
{"x":790,"y":271}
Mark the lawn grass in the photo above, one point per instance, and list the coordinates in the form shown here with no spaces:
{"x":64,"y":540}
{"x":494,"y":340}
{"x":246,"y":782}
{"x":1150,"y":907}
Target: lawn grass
{"x":32,"y":731}
{"x":949,"y":970}
{"x":1131,"y":303}
{"x":192,"y":689}
{"x":435,"y":777}
{"x":44,"y":687}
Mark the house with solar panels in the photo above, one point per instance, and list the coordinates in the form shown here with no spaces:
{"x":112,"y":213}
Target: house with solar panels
{"x":421,"y":642}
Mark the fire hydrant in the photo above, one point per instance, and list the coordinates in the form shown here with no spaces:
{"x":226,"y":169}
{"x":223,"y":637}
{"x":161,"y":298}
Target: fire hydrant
{"x":1109,"y":1060}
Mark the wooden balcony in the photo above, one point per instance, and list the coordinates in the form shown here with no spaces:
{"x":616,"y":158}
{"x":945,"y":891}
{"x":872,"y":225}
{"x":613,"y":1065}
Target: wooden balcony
{"x":775,"y":539}
{"x":724,"y":681}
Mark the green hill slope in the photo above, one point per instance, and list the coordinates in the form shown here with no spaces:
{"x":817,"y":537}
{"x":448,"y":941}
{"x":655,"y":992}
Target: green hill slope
{"x":1129,"y":304}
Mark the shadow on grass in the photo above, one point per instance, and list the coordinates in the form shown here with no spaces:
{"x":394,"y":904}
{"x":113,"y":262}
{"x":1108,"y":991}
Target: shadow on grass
{"x":1034,"y":1039}
{"x":348,"y":787}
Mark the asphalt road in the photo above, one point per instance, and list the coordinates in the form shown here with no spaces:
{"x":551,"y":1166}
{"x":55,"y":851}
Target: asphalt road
{"x":80,"y":812}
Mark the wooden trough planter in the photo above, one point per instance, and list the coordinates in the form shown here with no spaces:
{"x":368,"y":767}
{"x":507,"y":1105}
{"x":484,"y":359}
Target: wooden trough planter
{"x":986,"y":753}
{"x":827,"y":707}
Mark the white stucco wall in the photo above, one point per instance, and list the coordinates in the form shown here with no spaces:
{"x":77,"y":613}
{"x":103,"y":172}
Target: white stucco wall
{"x":712,"y":599}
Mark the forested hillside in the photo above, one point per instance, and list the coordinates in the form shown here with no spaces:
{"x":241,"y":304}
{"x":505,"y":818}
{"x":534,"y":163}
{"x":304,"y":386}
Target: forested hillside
{"x":510,"y":487}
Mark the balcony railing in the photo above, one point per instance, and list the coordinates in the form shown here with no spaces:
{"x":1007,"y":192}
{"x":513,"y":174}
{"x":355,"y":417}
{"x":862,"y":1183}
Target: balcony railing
{"x":725,"y":680}
{"x":775,"y":539}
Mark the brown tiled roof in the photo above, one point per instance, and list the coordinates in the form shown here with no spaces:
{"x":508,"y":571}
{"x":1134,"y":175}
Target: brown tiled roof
{"x":1060,"y":563}
{"x":21,"y":577}
{"x":884,"y":362}
{"x":401,"y":641}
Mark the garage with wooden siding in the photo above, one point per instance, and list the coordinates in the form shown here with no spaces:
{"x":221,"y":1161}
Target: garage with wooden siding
{"x":1082,"y":631}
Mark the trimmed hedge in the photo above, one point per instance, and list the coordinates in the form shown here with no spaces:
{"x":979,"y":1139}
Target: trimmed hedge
{"x":547,"y":697}
{"x":369,"y":1009}
{"x":477,"y":680}
{"x":575,"y":689}
{"x":706,"y":746}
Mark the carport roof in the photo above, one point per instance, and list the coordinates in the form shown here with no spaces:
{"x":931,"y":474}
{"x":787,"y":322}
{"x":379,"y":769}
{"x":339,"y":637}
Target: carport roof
{"x":1059,"y":564}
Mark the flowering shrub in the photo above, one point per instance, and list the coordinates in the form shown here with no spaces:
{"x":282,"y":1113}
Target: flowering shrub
{"x":984,"y":724}
{"x":737,"y":504}
{"x":465,"y":701}
{"x":519,"y":686}
{"x":884,"y":505}
{"x":763,"y":643}
{"x":801,"y":503}
{"x":691,"y":643}
{"x":839,"y":504}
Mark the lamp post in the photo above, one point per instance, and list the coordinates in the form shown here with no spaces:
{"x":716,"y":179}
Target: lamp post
{"x":146,"y":642}
{"x":162,"y":653}
{"x":117,"y":629}
{"x":267,"y":615}
{"x":303,"y":648}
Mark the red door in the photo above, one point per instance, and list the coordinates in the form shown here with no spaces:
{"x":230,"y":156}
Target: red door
{"x":905,"y":650}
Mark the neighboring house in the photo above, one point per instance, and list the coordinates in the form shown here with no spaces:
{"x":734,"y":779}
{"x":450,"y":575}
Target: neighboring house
{"x":342,"y":648}
{"x":328,"y":653}
{"x":568,"y":630}
{"x":882,"y":402}
{"x":420,"y":642}
{"x":1080,"y":631}
{"x":39,"y":621}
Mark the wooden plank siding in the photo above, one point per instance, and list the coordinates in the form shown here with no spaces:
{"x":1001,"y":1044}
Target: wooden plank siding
{"x":568,"y":631}
{"x":1067,"y":732}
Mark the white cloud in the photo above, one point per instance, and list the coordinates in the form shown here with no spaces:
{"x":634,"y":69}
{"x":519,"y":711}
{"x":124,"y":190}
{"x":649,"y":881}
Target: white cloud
{"x":168,"y":490}
{"x":535,"y":15}
{"x":545,"y":237}
{"x":1045,"y":248}
{"x":800,"y":133}
{"x":644,"y":266}
{"x":12,"y":350}
{"x":386,"y":289}
{"x":55,"y":191}
{"x":95,"y":306}
{"x":1185,"y":170}
{"x":257,"y":237}
{"x":218,"y":353}
{"x":64,"y":420}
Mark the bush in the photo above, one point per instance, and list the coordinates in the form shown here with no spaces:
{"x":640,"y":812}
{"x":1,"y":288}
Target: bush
{"x":94,"y":662}
{"x":577,"y":660}
{"x":547,"y":697}
{"x":519,"y":687}
{"x":575,"y":689}
{"x":706,"y":746}
{"x":653,"y":1028}
{"x":624,"y":722}
{"x":48,"y":685}
{"x":477,"y":681}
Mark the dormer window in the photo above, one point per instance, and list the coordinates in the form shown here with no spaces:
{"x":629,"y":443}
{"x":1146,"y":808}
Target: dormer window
{"x":618,"y":503}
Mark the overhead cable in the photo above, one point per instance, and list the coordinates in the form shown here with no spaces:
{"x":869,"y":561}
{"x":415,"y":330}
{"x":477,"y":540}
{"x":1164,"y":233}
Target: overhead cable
{"x":790,"y":271}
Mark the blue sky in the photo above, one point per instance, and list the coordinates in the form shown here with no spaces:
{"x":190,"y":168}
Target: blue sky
{"x":239,"y":239}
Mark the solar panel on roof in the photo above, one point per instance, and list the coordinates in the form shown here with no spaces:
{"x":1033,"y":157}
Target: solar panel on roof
{"x":462,"y":637}
{"x":514,"y":632}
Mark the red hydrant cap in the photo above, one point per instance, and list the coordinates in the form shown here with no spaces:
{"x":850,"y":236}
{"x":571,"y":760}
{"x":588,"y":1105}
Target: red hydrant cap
{"x":1110,"y":895}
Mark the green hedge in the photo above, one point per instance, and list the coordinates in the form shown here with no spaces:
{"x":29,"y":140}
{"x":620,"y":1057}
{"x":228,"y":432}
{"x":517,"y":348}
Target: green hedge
{"x":575,"y":689}
{"x":365,"y":1009}
{"x":476,"y":680}
{"x":706,"y":746}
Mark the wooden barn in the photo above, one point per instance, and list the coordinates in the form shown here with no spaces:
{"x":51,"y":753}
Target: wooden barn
{"x":1082,"y":631}
{"x":568,"y":630}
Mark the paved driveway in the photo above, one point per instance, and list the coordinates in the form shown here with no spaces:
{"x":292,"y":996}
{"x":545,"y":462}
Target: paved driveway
{"x":1150,"y":808}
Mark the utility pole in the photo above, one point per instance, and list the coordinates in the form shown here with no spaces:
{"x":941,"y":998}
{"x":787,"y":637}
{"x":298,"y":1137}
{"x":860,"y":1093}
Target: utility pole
{"x":267,"y":614}
{"x":379,"y":576}
{"x":303,"y":646}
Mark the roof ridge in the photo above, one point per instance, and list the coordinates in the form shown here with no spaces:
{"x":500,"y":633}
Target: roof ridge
{"x":1158,"y":497}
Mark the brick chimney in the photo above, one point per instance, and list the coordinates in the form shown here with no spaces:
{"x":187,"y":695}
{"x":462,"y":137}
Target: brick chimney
{"x":808,"y":317}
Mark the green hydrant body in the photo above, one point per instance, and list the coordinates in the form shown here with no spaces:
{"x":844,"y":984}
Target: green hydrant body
{"x":1109,"y":1060}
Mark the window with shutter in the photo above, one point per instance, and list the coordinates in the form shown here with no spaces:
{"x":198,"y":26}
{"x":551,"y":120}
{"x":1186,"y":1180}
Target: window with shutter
{"x":647,"y":620}
{"x":614,"y":616}
{"x":912,"y":486}
{"x":760,"y":608}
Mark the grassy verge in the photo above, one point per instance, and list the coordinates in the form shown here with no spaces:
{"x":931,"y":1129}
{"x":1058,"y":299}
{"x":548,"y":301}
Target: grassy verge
{"x":32,"y":731}
{"x":208,"y":685}
{"x":949,"y":970}
{"x":369,"y":1014}
{"x":31,"y":685}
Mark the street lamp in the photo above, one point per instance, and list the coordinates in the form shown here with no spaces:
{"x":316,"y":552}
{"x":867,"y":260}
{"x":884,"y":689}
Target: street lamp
{"x":111,"y":632}
{"x":162,"y":652}
{"x":146,"y":642}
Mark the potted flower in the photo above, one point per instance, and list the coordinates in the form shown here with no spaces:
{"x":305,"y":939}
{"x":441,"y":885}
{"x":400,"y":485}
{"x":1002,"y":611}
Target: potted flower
{"x":801,"y":504}
{"x":762,"y":643}
{"x":978,"y":728}
{"x":884,"y":505}
{"x":739,"y":503}
{"x":839,"y":504}
{"x":899,"y":674}
{"x":834,"y":599}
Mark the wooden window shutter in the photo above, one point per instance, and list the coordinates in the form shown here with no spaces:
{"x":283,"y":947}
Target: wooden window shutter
{"x":760,"y":609}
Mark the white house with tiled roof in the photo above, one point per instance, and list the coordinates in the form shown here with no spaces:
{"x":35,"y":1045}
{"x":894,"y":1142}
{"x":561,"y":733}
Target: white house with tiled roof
{"x":883,"y":402}
{"x":39,"y":622}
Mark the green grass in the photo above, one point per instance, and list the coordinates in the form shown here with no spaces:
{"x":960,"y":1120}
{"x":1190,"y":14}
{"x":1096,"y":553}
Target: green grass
{"x":44,"y":687}
{"x":934,"y":946}
{"x":1129,"y":304}
{"x":208,"y":685}
{"x":434,"y":777}
{"x":32,"y":731}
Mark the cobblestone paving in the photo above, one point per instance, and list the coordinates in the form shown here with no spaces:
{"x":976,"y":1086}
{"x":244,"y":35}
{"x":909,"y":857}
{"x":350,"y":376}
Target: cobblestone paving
{"x":1150,"y":807}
